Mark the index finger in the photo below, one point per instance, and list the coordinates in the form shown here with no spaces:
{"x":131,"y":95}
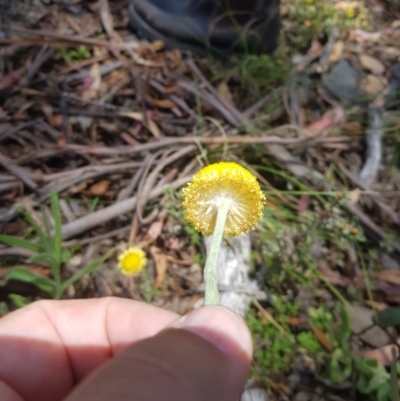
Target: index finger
{"x":48,"y":346}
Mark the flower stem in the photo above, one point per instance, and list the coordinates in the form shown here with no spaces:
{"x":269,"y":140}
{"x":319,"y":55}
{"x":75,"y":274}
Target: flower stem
{"x":210,"y":269}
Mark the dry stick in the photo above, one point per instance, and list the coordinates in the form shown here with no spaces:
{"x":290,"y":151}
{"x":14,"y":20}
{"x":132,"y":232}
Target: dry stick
{"x":9,"y":185}
{"x":263,"y":102}
{"x":127,"y":191}
{"x":177,"y":100}
{"x":19,"y":127}
{"x":374,"y":141}
{"x":45,"y":53}
{"x":161,"y":143}
{"x":111,"y":212}
{"x":211,"y":100}
{"x":149,"y":182}
{"x":377,"y":198}
{"x":64,"y":38}
{"x":232,"y":110}
{"x":97,"y":238}
{"x":139,"y":191}
{"x":111,"y":168}
{"x":18,"y":171}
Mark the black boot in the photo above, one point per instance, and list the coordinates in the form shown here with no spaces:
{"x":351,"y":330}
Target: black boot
{"x":220,"y":27}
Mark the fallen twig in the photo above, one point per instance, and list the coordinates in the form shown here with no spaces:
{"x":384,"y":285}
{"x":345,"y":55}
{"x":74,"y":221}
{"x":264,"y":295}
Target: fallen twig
{"x":374,"y":143}
{"x":102,"y":216}
{"x":377,"y":198}
{"x":18,"y":171}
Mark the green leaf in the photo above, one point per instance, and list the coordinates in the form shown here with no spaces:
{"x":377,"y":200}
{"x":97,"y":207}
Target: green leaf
{"x":28,"y":276}
{"x":387,"y":318}
{"x":394,"y":389}
{"x":38,"y":231}
{"x":65,"y":255}
{"x":43,"y":257}
{"x":379,"y":378}
{"x":3,"y":309}
{"x":20,"y":243}
{"x":19,"y":301}
{"x":90,"y":268}
{"x":57,"y":239}
{"x":383,"y":393}
{"x":308,"y":341}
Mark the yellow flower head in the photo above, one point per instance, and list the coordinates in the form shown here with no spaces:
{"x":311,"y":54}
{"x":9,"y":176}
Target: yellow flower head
{"x":351,"y":12}
{"x":132,"y":261}
{"x":219,"y":183}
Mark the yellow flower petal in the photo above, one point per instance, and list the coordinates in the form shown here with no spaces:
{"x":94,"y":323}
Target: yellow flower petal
{"x":221,"y":182}
{"x":132,"y":261}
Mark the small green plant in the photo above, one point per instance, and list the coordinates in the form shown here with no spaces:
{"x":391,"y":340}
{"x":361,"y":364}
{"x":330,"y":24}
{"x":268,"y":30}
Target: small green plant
{"x":19,"y":301}
{"x":76,"y":55}
{"x":371,"y":378}
{"x":274,"y":351}
{"x":308,"y":20}
{"x":252,"y":76}
{"x":48,"y":250}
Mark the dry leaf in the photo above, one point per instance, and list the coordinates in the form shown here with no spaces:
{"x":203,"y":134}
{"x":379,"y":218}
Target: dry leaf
{"x":383,"y":355}
{"x":155,"y":230}
{"x":372,"y":64}
{"x":360,"y":36}
{"x":316,"y":49}
{"x":175,"y":57}
{"x":372,"y":84}
{"x":328,"y":120}
{"x":225,"y":93}
{"x":157,"y":45}
{"x":322,"y":338}
{"x":354,"y":196}
{"x":162,"y":103}
{"x":100,"y":188}
{"x":294,"y":321}
{"x":12,"y":77}
{"x":332,"y":276}
{"x":390,"y":276}
{"x":303,"y":204}
{"x":92,"y":83}
{"x":395,"y":24}
{"x":378,"y":306}
{"x":160,"y":261}
{"x":337,"y":52}
{"x":270,"y":205}
{"x":170,"y":89}
{"x":106,"y":18}
{"x":151,"y":125}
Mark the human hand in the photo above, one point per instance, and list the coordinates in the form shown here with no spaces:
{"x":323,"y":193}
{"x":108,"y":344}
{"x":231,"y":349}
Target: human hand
{"x":113,"y":349}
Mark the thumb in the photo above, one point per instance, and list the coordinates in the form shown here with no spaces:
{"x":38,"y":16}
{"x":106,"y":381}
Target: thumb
{"x":203,"y":356}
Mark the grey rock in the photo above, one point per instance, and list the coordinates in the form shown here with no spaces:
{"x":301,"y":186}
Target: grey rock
{"x":342,"y":82}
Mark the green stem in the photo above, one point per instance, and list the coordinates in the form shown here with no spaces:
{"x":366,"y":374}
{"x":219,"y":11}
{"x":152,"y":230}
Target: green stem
{"x":210,"y":269}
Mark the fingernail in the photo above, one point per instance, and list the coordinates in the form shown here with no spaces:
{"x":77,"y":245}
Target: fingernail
{"x":221,"y":326}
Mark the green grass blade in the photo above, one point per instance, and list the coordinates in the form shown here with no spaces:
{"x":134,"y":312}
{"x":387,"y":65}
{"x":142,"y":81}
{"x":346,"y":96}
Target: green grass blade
{"x":394,"y":388}
{"x":57,"y":239}
{"x":28,"y":276}
{"x":20,"y":243}
{"x":38,"y":231}
{"x":90,"y":268}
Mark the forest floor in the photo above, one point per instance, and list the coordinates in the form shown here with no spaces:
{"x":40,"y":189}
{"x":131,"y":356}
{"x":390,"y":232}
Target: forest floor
{"x":99,"y":131}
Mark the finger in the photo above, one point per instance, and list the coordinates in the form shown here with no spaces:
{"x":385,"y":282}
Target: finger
{"x":207,"y":359}
{"x":48,"y":346}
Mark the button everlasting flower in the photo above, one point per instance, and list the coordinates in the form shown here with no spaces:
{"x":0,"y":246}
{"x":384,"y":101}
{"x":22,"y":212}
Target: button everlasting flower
{"x":132,"y":261}
{"x":222,"y":199}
